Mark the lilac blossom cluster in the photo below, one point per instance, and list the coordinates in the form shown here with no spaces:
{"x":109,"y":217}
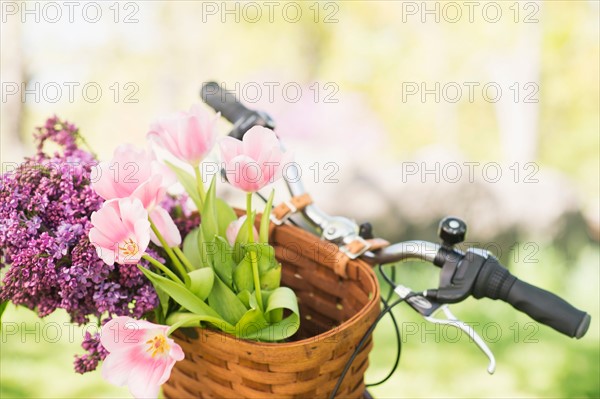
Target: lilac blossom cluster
{"x":45,"y":208}
{"x":95,"y":354}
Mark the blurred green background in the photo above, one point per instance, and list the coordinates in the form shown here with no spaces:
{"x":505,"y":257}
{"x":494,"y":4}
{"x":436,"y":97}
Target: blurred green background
{"x":356,"y":63}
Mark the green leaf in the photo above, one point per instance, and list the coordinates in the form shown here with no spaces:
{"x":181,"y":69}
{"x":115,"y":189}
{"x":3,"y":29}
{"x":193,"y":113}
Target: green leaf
{"x":266,"y":258}
{"x":271,"y":279}
{"x":209,"y":213}
{"x":274,"y":315}
{"x":265,"y":220}
{"x":245,"y":298}
{"x":283,"y":298}
{"x":242,"y":237}
{"x":204,"y":250}
{"x":225,"y":302}
{"x":180,"y":294}
{"x":163,"y":299}
{"x":225,"y":215}
{"x":191,"y":249}
{"x":201,"y":282}
{"x":252,"y":302}
{"x":241,"y":241}
{"x":3,"y":306}
{"x":188,"y":182}
{"x":242,"y":275}
{"x":280,"y":299}
{"x":252,"y":322}
{"x":223,"y":261}
{"x":184,"y":319}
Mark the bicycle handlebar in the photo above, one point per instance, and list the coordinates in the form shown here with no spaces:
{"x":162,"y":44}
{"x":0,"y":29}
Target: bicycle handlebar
{"x":481,"y":275}
{"x":234,"y":111}
{"x":473,"y":273}
{"x":496,"y":282}
{"x":415,"y":249}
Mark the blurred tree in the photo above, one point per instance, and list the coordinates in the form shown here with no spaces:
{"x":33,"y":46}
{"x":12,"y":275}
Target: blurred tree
{"x":13,"y":74}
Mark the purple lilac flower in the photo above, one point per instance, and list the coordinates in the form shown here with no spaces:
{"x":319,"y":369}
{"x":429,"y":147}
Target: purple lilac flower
{"x":45,"y":207}
{"x":95,"y":353}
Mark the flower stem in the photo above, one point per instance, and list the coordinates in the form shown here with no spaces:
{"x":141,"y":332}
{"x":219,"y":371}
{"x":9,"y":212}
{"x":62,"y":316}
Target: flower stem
{"x":184,"y":259}
{"x":162,"y":267}
{"x":248,"y":215}
{"x":158,"y":314}
{"x":80,"y":136}
{"x":168,"y":250}
{"x":200,"y":184}
{"x":256,"y":277}
{"x":252,"y":253}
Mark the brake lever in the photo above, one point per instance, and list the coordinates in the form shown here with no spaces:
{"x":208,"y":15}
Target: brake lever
{"x":429,"y":309}
{"x":451,"y":320}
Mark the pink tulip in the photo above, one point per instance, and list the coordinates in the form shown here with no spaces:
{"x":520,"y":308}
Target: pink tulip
{"x":141,"y":355}
{"x":121,"y":231}
{"x":234,"y":228}
{"x":135,"y":173}
{"x":188,"y":135}
{"x":256,"y":161}
{"x":166,"y":227}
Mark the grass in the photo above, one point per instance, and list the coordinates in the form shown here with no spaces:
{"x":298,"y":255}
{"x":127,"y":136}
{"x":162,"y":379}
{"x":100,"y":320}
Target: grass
{"x":532,"y":360}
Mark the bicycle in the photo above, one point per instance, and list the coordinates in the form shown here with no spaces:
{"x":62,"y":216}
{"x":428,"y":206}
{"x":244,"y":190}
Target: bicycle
{"x":475,"y":272}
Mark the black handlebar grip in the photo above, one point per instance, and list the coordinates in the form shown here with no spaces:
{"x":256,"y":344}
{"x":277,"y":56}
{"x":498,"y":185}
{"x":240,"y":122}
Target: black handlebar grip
{"x":495,"y":281}
{"x":223,"y":101}
{"x":234,"y":111}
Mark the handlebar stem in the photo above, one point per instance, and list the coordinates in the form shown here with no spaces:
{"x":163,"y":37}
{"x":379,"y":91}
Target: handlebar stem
{"x":414,"y":249}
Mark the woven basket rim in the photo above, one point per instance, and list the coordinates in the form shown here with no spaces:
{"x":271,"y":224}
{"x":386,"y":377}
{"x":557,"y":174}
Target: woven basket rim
{"x":218,"y":364}
{"x":373,"y":302}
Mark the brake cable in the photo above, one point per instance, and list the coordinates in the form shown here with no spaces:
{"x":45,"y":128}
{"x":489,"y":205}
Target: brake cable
{"x":391,"y":282}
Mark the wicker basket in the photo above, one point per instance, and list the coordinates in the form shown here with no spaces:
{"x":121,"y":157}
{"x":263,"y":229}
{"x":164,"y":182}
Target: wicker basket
{"x":339,"y":300}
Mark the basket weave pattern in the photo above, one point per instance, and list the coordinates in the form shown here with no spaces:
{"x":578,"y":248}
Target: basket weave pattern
{"x":339,"y":300}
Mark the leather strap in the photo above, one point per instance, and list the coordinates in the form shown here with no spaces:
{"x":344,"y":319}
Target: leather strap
{"x":359,"y":246}
{"x":283,"y":211}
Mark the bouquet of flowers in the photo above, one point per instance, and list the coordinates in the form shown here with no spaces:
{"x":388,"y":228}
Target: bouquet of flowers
{"x":108,"y":241}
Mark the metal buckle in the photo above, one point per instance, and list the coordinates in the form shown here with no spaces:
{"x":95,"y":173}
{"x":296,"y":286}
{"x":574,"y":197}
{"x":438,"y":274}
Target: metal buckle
{"x":291,"y":210}
{"x":354,"y":255}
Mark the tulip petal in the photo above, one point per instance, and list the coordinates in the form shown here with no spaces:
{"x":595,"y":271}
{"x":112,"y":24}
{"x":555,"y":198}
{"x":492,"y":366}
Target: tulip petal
{"x":258,"y":139}
{"x":129,"y":169}
{"x":256,"y":161}
{"x":130,"y":211}
{"x":166,"y":226}
{"x":103,"y":185}
{"x":121,"y":231}
{"x":133,"y":165}
{"x":286,"y":159}
{"x":245,"y":173}
{"x":105,"y":253}
{"x":140,"y":355}
{"x":230,"y":148}
{"x":119,"y":333}
{"x":108,"y":222}
{"x":176,"y":351}
{"x":189,"y":136}
{"x":144,"y":380}
{"x":97,"y":237}
{"x":150,"y":192}
{"x":116,"y":368}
